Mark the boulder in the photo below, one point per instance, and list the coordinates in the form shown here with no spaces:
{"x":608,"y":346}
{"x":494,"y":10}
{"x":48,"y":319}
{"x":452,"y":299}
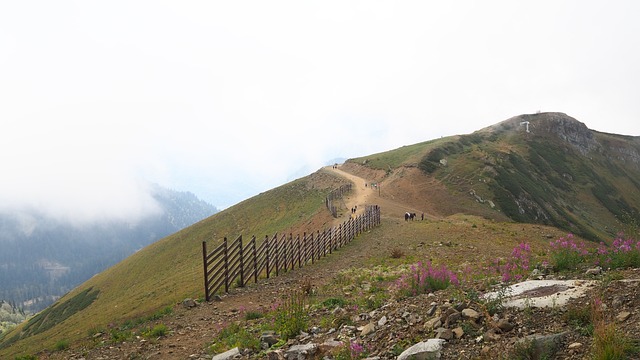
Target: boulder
{"x":227,"y":354}
{"x":301,"y":352}
{"x":424,"y":350}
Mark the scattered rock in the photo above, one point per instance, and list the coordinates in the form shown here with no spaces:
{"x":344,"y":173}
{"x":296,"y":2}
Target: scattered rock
{"x":546,"y":345}
{"x":424,"y":350}
{"x":432,"y":309}
{"x":301,"y":352}
{"x":227,"y":354}
{"x":269,"y":337}
{"x":471,"y":314}
{"x":444,"y":333}
{"x":189,"y":303}
{"x":370,"y":328}
{"x":504,"y":325}
{"x":458,"y":332}
{"x":593,"y":272}
{"x":623,"y":316}
{"x":432,"y":324}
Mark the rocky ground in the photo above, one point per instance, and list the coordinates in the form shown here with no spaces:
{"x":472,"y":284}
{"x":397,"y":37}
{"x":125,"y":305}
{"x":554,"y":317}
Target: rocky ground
{"x":471,"y":328}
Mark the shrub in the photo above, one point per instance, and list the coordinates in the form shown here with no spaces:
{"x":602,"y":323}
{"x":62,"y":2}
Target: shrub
{"x":624,"y":253}
{"x":567,"y":254}
{"x":332,"y":303}
{"x":424,"y":278}
{"x":61,"y":345}
{"x":351,"y":351}
{"x":118,"y":335}
{"x":608,"y":342}
{"x":157,"y":331}
{"x":397,"y":253}
{"x":253,"y":315}
{"x":357,"y":350}
{"x":517,"y":266}
{"x":579,"y":317}
{"x":232,"y":336}
{"x":290,"y":316}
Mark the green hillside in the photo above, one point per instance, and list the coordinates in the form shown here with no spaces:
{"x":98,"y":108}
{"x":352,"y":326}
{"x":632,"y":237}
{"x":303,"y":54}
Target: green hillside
{"x":559,"y":174}
{"x":169,"y":270}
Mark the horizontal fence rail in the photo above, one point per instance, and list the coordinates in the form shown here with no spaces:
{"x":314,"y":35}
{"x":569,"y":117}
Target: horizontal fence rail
{"x":237,"y":263}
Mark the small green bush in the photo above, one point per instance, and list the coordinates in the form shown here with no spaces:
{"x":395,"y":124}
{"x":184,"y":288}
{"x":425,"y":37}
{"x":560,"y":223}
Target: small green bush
{"x":157,"y":331}
{"x":291,"y":317}
{"x":61,"y":345}
{"x":609,"y":343}
{"x":253,"y":315}
{"x":119,"y":335}
{"x":579,"y":317}
{"x":332,"y":303}
{"x":235,"y":335}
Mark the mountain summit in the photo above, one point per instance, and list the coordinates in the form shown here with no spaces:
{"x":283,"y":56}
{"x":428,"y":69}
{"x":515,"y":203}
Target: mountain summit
{"x":545,"y":168}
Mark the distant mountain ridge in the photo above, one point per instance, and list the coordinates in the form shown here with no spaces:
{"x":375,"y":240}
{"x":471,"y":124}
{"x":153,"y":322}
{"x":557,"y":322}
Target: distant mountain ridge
{"x":42,"y":258}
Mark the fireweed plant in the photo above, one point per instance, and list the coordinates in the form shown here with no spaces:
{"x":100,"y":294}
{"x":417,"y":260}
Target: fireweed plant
{"x":424,"y":278}
{"x":517,"y":266}
{"x":567,"y":254}
{"x":356,"y":350}
{"x":623,"y":253}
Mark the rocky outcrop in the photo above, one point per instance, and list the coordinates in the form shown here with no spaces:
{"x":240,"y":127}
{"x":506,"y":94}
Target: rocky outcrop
{"x":576,"y":134}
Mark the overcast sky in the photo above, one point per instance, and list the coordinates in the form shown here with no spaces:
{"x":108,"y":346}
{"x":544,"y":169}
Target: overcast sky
{"x":229,"y":99}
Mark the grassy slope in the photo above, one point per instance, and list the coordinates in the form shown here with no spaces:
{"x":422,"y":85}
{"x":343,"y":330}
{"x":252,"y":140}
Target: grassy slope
{"x":170,"y":270}
{"x":530,"y":178}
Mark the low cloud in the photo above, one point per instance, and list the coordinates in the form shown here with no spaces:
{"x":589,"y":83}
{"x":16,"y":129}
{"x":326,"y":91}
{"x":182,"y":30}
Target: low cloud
{"x":227,"y":102}
{"x":69,"y":176}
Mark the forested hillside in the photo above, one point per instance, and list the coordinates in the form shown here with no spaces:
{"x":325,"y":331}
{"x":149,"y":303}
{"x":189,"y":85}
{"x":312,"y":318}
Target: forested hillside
{"x":43,"y":258}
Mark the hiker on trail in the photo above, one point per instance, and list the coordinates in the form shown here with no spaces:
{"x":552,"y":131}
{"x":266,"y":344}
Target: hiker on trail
{"x":422,"y":216}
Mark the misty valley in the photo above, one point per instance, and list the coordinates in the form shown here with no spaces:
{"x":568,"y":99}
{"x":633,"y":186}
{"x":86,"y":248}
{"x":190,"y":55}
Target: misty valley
{"x":41,"y":258}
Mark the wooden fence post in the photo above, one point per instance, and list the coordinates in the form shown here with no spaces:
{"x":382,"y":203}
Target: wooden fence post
{"x":226,"y":265}
{"x":241,"y":254}
{"x":300,"y":250}
{"x":255,"y":259}
{"x":277,"y":253}
{"x":266,"y":250}
{"x":207,"y":296}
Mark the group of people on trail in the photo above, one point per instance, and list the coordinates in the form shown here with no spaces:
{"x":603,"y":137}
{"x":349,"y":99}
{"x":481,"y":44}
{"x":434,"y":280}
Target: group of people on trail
{"x":353,"y":209}
{"x":411,"y":216}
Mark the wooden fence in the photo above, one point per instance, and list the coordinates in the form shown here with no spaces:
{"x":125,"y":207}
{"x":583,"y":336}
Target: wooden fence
{"x":237,"y":263}
{"x":335,"y":195}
